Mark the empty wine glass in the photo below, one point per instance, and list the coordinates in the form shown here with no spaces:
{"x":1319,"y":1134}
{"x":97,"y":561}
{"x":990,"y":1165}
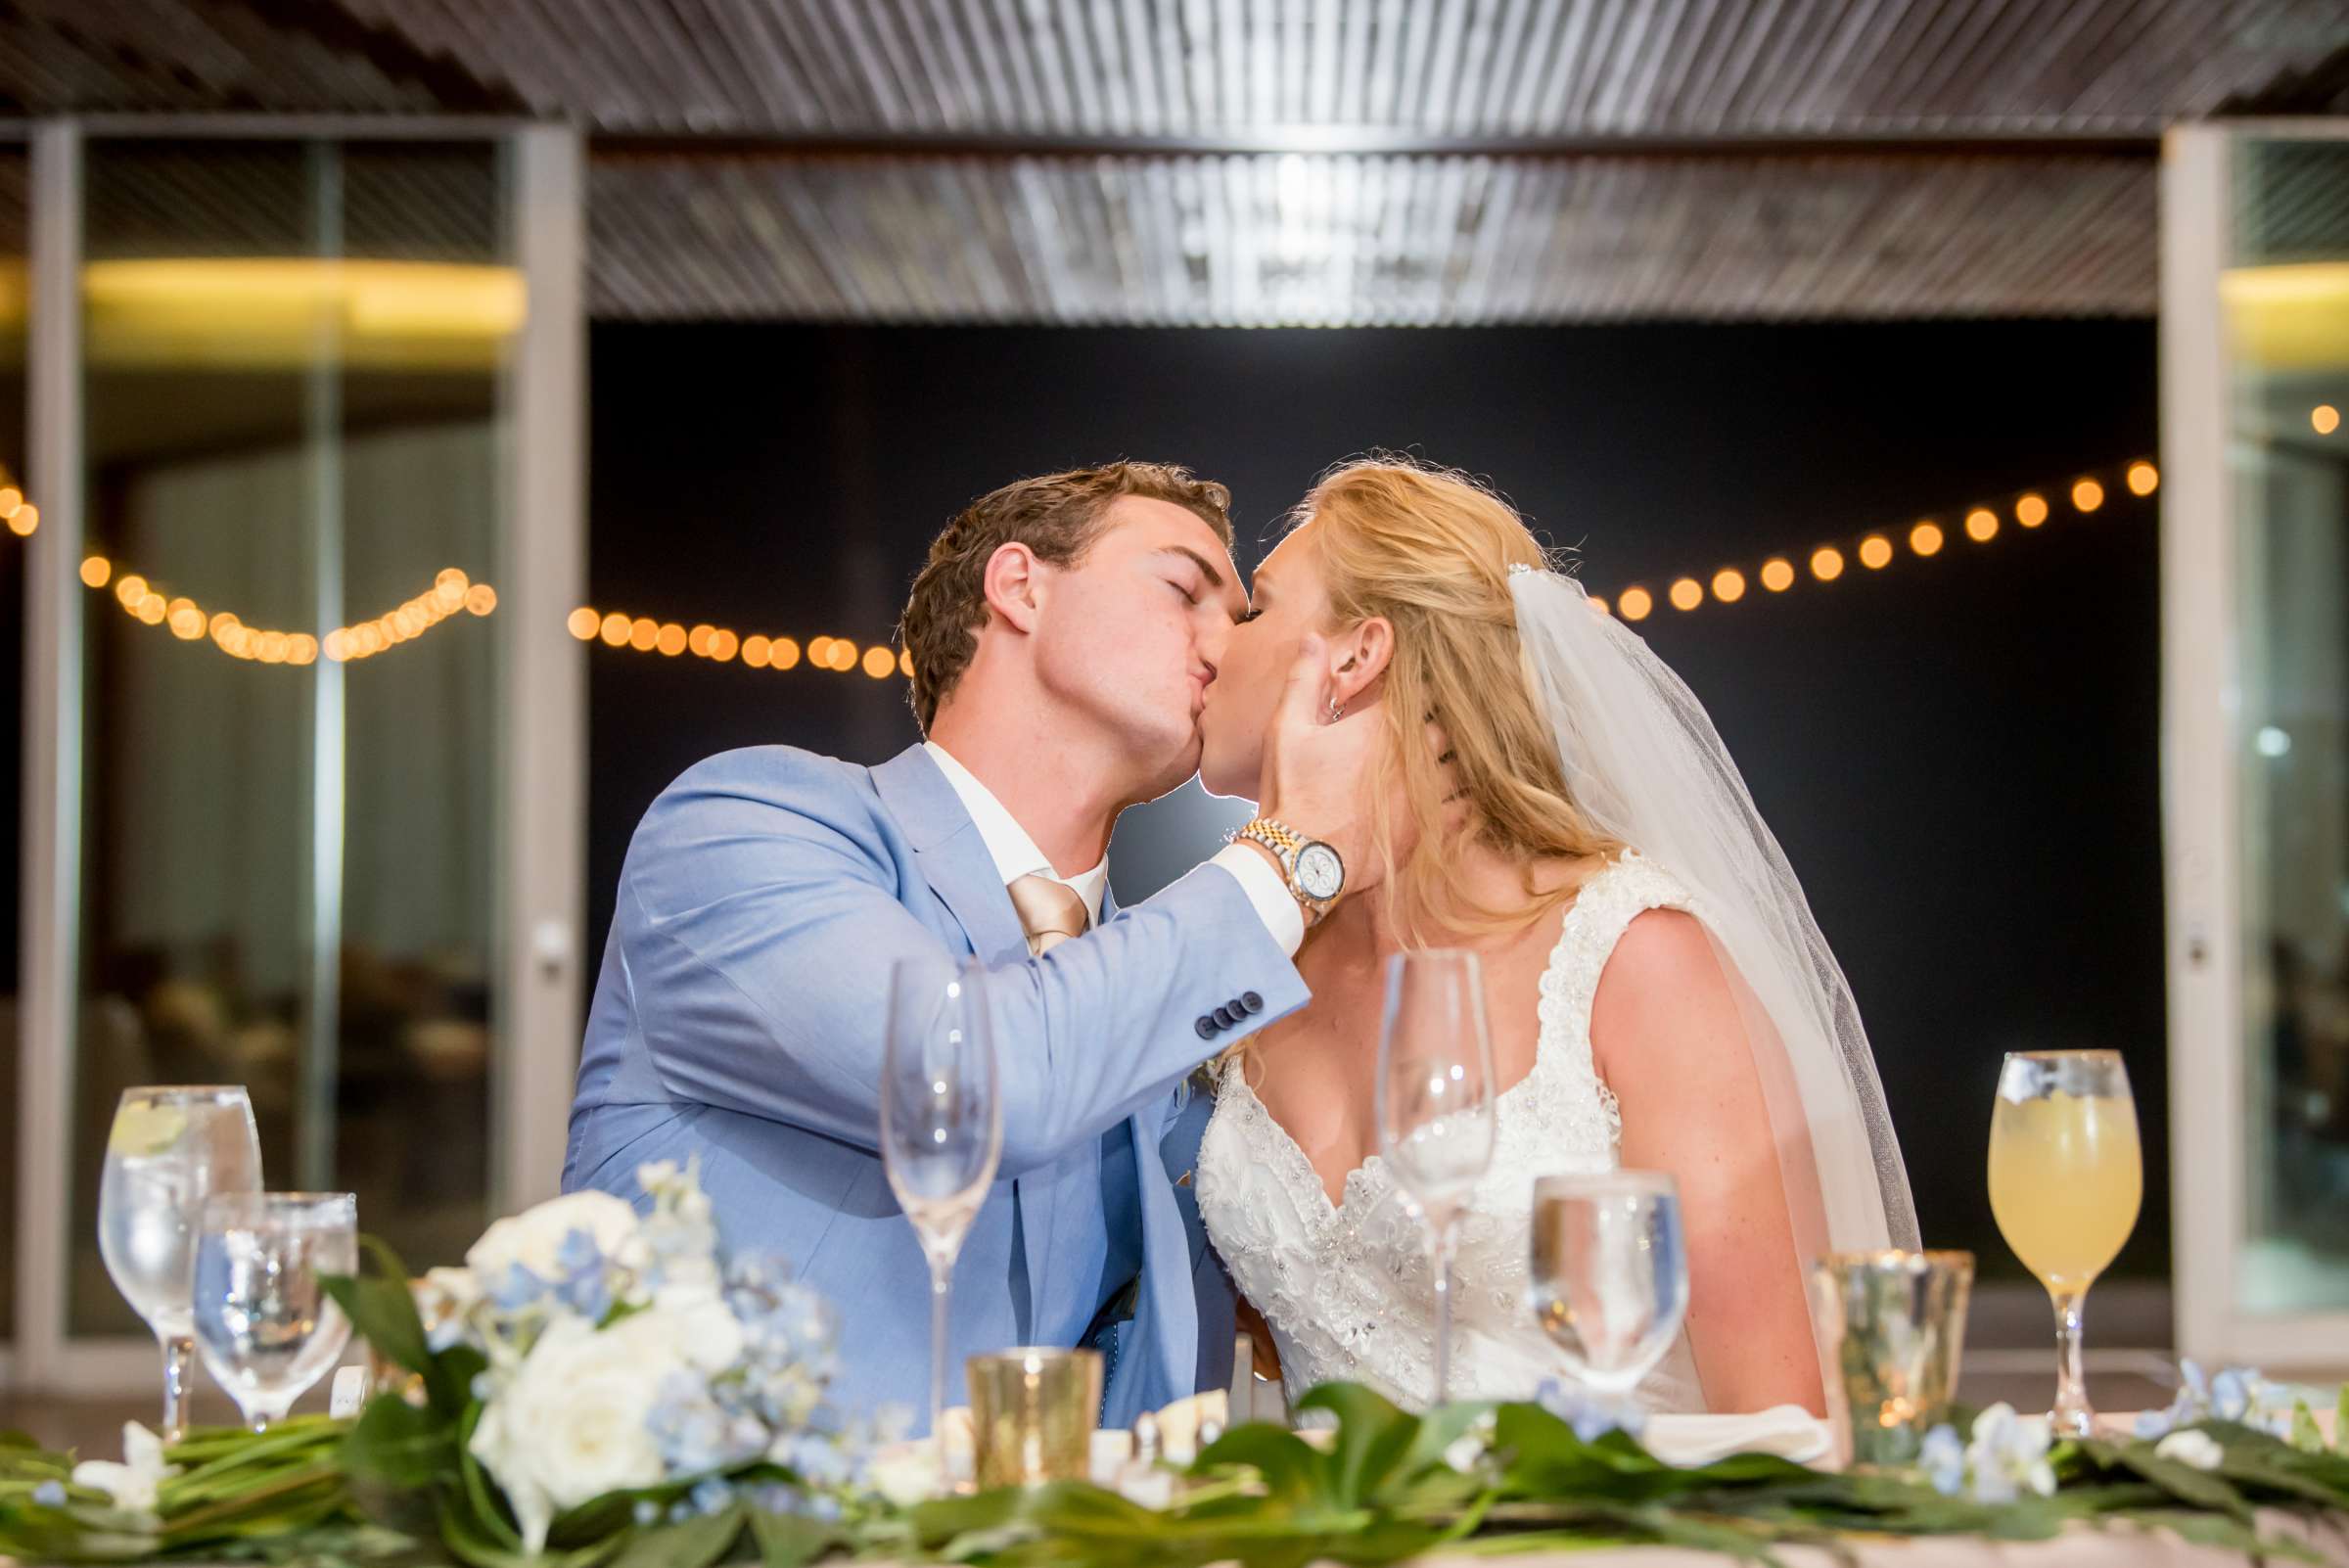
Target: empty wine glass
{"x":266,"y":1325}
{"x":169,"y":1149}
{"x":1610,"y":1274}
{"x":941,"y":1130}
{"x":1434,"y":1105}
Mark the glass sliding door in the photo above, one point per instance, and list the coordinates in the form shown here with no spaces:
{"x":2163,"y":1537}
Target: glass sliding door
{"x":2256,"y":337}
{"x":306,"y":384}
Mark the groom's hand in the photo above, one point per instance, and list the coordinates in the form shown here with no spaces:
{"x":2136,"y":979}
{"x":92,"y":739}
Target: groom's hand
{"x":1316,"y":775}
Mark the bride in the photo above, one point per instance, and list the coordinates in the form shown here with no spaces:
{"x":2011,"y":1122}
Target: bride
{"x":1658,"y":994}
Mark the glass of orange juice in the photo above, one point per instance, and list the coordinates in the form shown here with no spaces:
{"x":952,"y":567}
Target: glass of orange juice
{"x":2066,"y":1177}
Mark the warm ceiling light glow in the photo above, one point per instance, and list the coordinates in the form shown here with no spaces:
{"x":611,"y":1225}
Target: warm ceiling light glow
{"x":220,"y":623}
{"x":451,"y":577}
{"x":819,"y":651}
{"x":2324,"y":418}
{"x":643,"y":632}
{"x":302,"y":649}
{"x":1728,"y":585}
{"x":153,"y":608}
{"x":1599,"y":606}
{"x":843,"y":654}
{"x":697,"y":641}
{"x":2143,"y":477}
{"x":96,"y":570}
{"x":2031,"y":511}
{"x":905,"y":665}
{"x":10,"y":499}
{"x":1875,"y":552}
{"x":253,"y":313}
{"x":782,"y":654}
{"x":584,"y":623}
{"x":130,"y":590}
{"x":480,"y":598}
{"x":1925,"y":539}
{"x":336,"y":646}
{"x":880,"y":663}
{"x":1778,"y":576}
{"x":187,"y":623}
{"x":723,"y":644}
{"x":1981,"y":525}
{"x":23,"y":520}
{"x":1687,"y":594}
{"x":754,"y":651}
{"x":1826,"y":563}
{"x":671,"y":640}
{"x":1633,"y":604}
{"x":616,"y":629}
{"x":272,"y":648}
{"x":2088,"y":495}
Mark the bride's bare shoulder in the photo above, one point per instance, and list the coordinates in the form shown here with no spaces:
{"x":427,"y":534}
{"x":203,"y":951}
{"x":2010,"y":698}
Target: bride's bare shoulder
{"x":1662,"y":992}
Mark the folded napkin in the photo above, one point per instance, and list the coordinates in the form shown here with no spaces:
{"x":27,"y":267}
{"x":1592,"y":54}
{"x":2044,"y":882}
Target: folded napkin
{"x":1786,"y":1430}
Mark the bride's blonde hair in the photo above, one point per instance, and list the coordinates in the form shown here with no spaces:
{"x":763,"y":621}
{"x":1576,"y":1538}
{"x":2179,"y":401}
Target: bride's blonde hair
{"x":1429,"y":550}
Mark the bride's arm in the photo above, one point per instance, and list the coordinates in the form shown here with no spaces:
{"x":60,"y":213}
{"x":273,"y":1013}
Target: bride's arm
{"x":1666,"y":1036}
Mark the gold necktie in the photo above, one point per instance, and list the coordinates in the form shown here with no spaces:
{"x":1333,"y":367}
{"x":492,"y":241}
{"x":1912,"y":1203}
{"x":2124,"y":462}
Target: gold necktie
{"x":1050,"y":912}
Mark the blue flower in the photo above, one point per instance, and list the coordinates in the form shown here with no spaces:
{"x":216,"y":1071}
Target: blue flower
{"x":2231,"y":1394}
{"x":518,"y":1289}
{"x":50,"y":1494}
{"x":578,"y":1253}
{"x":712,"y":1495}
{"x":2152,"y":1424}
{"x":776,"y":1498}
{"x":1943,"y":1461}
{"x":818,"y":1461}
{"x":648,"y":1512}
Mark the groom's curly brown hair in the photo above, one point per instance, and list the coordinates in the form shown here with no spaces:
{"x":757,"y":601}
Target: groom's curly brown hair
{"x":1058,"y":516}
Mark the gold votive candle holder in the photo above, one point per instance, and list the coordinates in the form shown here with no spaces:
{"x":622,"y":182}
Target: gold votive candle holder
{"x":1893,"y":1324}
{"x":1033,"y":1414}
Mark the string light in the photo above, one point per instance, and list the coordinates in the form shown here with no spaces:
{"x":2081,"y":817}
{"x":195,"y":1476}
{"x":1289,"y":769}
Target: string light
{"x":2324,"y":418}
{"x":616,"y":628}
{"x":1876,"y":551}
{"x":96,"y":570}
{"x":21,"y":515}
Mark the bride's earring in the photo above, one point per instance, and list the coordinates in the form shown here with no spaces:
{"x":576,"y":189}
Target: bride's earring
{"x":1335,"y":712}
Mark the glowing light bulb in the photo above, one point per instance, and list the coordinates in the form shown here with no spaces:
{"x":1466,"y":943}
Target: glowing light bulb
{"x":583,"y":624}
{"x":1778,"y":576}
{"x":1728,"y":585}
{"x":1826,"y":563}
{"x":1687,"y":594}
{"x":1981,"y":525}
{"x":96,"y":570}
{"x":2088,"y":495}
{"x":2143,"y":477}
{"x":1633,"y":604}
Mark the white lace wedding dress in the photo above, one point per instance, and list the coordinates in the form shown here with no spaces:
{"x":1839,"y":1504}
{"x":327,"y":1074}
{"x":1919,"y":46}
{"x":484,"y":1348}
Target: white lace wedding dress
{"x":1347,"y":1289}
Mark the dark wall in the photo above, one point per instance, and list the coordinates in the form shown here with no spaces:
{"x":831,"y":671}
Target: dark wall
{"x":1959,"y":754}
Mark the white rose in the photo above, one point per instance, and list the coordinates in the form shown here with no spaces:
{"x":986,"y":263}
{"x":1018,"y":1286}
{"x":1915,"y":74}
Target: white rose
{"x":534,"y":1238}
{"x":571,"y":1425}
{"x":2197,"y":1451}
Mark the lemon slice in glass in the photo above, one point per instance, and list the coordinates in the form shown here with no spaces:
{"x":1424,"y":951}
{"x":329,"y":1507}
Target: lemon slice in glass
{"x":141,"y":1129}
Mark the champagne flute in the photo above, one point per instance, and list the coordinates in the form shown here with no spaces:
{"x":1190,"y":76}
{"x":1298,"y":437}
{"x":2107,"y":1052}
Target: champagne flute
{"x":2066,"y":1177}
{"x":1610,"y":1274}
{"x":941,"y":1130}
{"x":169,"y":1149}
{"x":267,"y":1327}
{"x":1434,"y":1105}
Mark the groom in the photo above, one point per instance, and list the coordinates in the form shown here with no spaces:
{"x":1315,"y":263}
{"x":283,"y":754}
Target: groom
{"x":1062,"y":635}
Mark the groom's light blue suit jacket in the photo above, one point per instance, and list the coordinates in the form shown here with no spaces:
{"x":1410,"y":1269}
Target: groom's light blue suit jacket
{"x":739,"y":1018}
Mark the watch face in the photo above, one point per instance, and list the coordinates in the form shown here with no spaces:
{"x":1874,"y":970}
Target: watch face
{"x":1319,"y":871}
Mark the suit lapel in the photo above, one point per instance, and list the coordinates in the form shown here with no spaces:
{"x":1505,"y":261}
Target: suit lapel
{"x":954,"y":860}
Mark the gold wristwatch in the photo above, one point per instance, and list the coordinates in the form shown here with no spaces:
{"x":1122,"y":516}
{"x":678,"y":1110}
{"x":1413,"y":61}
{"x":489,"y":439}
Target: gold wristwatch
{"x":1314,"y":870}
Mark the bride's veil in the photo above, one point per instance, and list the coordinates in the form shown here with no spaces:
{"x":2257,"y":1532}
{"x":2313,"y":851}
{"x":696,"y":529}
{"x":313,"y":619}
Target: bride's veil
{"x":1643,"y":760}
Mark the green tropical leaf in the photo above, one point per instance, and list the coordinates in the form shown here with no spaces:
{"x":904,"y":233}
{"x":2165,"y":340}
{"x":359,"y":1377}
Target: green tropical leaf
{"x":383,"y":1309}
{"x":793,"y":1540}
{"x":694,"y":1543}
{"x":1373,"y":1437}
{"x":398,"y":1446}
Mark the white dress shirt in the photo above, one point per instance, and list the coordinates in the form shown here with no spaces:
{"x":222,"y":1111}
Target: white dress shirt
{"x":1014,"y":852}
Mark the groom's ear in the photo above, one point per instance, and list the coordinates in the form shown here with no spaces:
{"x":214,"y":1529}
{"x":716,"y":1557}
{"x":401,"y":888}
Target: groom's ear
{"x":1013,"y":583}
{"x":1359,"y":657}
